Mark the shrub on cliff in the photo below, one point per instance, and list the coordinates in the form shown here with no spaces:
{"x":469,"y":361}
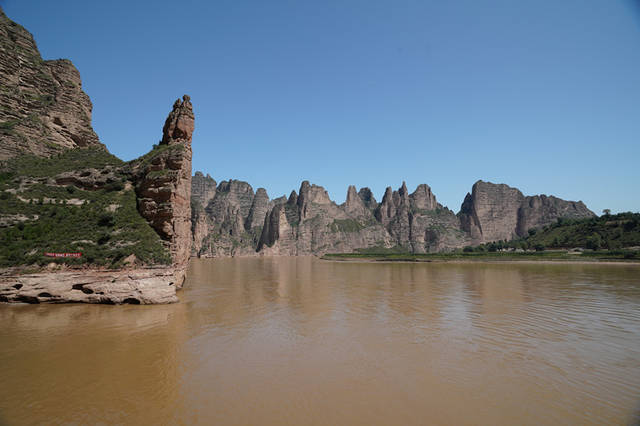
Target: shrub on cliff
{"x":104,"y":225}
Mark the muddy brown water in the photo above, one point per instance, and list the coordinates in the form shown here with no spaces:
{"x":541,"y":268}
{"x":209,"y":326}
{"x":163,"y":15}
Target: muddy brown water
{"x":295,"y":341}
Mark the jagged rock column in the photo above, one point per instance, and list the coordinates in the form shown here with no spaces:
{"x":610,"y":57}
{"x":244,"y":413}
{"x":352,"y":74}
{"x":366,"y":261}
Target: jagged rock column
{"x":163,"y":185}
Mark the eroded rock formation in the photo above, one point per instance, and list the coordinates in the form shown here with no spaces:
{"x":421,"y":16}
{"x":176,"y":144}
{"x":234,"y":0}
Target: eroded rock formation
{"x":308,"y":222}
{"x":233,"y":219}
{"x":163,"y":185}
{"x":140,"y":286}
{"x":493,"y":212}
{"x":44,"y":109}
{"x":203,"y":190}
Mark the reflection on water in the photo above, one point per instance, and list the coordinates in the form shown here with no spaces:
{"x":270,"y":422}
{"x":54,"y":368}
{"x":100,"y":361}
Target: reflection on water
{"x":299,"y":341}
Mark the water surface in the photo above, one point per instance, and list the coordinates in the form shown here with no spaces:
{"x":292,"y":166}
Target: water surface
{"x":276,"y":341}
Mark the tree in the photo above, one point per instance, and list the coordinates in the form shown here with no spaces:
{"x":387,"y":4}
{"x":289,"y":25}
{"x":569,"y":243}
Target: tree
{"x":606,"y":212}
{"x":594,"y":242}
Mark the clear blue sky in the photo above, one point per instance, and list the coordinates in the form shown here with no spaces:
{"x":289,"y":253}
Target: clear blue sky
{"x":542,"y":95}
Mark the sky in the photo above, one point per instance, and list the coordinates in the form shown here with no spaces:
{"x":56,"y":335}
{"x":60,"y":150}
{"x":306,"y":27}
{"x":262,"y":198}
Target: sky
{"x":541,"y":95}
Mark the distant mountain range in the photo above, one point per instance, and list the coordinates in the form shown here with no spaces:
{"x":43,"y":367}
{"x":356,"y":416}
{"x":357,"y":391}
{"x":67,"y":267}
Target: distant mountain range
{"x":229,"y":219}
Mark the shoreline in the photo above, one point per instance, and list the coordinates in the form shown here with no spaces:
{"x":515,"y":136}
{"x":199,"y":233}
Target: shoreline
{"x":489,"y":261}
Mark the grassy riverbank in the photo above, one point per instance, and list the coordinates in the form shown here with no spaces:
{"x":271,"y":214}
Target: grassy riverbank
{"x":543,"y":256}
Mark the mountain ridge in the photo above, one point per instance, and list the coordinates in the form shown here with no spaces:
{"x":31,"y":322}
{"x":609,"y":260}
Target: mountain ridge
{"x":309,"y":222}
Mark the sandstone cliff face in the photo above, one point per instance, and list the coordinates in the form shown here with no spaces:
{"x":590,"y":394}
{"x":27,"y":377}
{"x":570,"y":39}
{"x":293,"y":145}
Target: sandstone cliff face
{"x":490,"y":212}
{"x":203,"y":190}
{"x":493,"y":212}
{"x":230,"y":220}
{"x":43,"y":108}
{"x":258,"y":211}
{"x":163,"y":185}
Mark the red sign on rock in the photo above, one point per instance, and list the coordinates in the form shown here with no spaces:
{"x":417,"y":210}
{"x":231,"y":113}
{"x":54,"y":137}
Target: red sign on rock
{"x":63,"y":254}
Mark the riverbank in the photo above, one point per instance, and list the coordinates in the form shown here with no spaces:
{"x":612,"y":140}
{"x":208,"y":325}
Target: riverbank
{"x":601,"y":257}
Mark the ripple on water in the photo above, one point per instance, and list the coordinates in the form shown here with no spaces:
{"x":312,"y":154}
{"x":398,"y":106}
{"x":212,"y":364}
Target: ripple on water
{"x":298,"y":340}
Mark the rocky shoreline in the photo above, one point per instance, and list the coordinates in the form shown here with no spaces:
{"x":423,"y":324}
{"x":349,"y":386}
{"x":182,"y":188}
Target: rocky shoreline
{"x":141,"y":286}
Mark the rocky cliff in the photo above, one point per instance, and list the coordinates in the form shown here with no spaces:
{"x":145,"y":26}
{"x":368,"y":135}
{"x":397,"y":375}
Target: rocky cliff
{"x":78,"y":224}
{"x":493,"y":212}
{"x":229,"y":223}
{"x":310,"y":223}
{"x":43,"y":109}
{"x":203,"y":190}
{"x":417,"y":222}
{"x":241,"y":223}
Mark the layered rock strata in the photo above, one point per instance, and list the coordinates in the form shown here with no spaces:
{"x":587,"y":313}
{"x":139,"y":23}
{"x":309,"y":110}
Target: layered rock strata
{"x":203,"y":190}
{"x":163,"y":185}
{"x":43,"y":107}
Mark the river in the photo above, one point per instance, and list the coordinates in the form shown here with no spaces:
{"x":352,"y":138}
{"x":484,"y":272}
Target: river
{"x":275,"y":341}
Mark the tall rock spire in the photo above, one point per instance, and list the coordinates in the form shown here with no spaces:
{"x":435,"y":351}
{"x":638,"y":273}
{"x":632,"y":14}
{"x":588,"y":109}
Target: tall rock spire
{"x":163,"y":185}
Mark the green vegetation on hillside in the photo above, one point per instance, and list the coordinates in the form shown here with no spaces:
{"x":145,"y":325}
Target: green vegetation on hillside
{"x":605,"y":232}
{"x":29,"y":165}
{"x":158,"y":149}
{"x":38,"y":216}
{"x":345,"y":225}
{"x":561,"y":255}
{"x":609,"y":232}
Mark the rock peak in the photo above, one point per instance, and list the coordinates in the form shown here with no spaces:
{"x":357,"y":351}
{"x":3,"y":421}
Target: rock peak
{"x":367,"y":198}
{"x":293,"y":198}
{"x":304,"y":186}
{"x":388,"y":194}
{"x":351,"y":193}
{"x":178,"y":128}
{"x":423,"y":198}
